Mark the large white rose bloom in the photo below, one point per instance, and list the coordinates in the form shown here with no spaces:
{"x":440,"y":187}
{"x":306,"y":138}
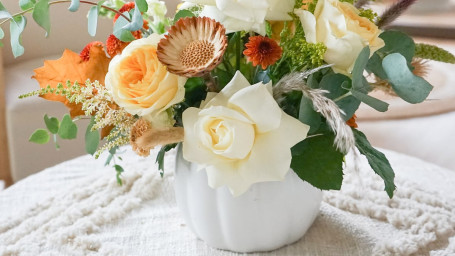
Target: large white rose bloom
{"x":241,"y":136}
{"x":339,"y":27}
{"x":245,"y":15}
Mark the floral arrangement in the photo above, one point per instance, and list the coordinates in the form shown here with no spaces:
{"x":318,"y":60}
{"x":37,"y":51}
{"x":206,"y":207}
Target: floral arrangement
{"x":251,"y":89}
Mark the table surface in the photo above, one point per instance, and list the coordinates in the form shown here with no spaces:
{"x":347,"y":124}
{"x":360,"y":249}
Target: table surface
{"x":76,"y":208}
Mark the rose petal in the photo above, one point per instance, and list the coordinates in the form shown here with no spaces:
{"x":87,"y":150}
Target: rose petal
{"x":220,"y":111}
{"x":258,"y":104}
{"x":237,"y":83}
{"x":309,"y":25}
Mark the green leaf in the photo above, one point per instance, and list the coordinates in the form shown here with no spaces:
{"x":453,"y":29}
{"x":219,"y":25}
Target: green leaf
{"x":92,"y":138}
{"x":408,"y":86}
{"x":26,"y":4}
{"x":377,"y":104}
{"x":52,"y":124}
{"x":41,"y":15}
{"x":268,"y":29}
{"x":92,"y":20}
{"x":183,"y":14}
{"x":136,"y":22}
{"x":377,"y":161}
{"x":432,"y":52}
{"x":4,"y":14}
{"x":142,"y":5}
{"x":40,"y":136}
{"x":74,"y":6}
{"x":308,"y":115}
{"x":397,"y":42}
{"x":121,"y":33}
{"x":317,"y":161}
{"x":16,"y":29}
{"x":119,"y":171}
{"x":358,"y":80}
{"x":2,"y":35}
{"x":160,"y":156}
{"x":68,"y":129}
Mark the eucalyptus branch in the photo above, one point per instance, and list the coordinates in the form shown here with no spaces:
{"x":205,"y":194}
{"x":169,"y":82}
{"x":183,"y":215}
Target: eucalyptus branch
{"x":343,"y":96}
{"x":66,"y":1}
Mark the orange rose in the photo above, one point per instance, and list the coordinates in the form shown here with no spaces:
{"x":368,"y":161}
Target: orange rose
{"x":142,"y":85}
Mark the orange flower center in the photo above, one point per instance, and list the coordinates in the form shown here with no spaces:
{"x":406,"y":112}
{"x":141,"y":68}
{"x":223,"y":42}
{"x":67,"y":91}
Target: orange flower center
{"x":197,"y":53}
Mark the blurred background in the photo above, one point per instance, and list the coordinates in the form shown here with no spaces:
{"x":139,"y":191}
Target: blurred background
{"x":424,"y":131}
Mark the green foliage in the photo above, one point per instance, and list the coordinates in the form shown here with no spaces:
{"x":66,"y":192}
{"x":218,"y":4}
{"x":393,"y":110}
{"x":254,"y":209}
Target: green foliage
{"x":52,"y":124}
{"x":41,"y":15}
{"x":40,"y":136}
{"x":4,"y":14}
{"x":137,"y":21}
{"x":369,"y":14}
{"x":74,"y":6}
{"x":92,"y":138}
{"x":308,"y":115}
{"x":377,"y":161}
{"x":318,"y":162}
{"x":408,"y":86}
{"x":142,"y":5}
{"x":120,"y":32}
{"x":92,"y":20}
{"x":26,"y":4}
{"x":16,"y":28}
{"x":182,"y":14}
{"x":160,"y":157}
{"x":360,"y":86}
{"x":291,"y":102}
{"x":68,"y":129}
{"x":432,"y":52}
{"x":119,"y":170}
{"x":2,"y":35}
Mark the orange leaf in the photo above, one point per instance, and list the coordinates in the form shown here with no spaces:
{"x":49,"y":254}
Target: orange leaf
{"x":71,"y":67}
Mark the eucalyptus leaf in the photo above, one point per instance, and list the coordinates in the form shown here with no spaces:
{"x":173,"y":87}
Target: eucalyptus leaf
{"x":136,"y":22}
{"x":338,"y":86}
{"x":358,"y":80}
{"x":41,"y":15}
{"x":52,"y":124}
{"x":377,"y":104}
{"x":40,"y":136}
{"x":92,"y":19}
{"x":2,"y":35}
{"x":308,"y":115}
{"x":318,"y":162}
{"x":182,"y":14}
{"x":142,"y":5}
{"x":74,"y":6}
{"x":68,"y":129}
{"x":26,"y":4}
{"x":377,"y":161}
{"x":16,"y":29}
{"x":92,"y":138}
{"x":397,"y":42}
{"x":4,"y":14}
{"x":121,"y":33}
{"x":408,"y":86}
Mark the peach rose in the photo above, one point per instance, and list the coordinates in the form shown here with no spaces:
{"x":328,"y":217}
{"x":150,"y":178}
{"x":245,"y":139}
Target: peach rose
{"x":142,"y":85}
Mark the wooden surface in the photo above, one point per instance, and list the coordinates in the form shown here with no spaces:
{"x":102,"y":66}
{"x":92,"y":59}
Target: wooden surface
{"x":4,"y":158}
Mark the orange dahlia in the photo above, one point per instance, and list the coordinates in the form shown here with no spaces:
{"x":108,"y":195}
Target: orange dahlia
{"x":193,"y":47}
{"x":114,"y":45}
{"x":262,"y":51}
{"x":351,"y":122}
{"x":85,"y":53}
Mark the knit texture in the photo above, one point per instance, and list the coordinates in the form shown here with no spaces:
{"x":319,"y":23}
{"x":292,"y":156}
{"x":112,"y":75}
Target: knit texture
{"x":77,"y":208}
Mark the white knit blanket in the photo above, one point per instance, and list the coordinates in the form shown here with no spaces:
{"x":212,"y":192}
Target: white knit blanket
{"x":76,"y":208}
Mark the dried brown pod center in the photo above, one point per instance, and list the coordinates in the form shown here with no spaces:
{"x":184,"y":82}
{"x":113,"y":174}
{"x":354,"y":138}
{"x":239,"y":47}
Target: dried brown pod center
{"x":197,"y":53}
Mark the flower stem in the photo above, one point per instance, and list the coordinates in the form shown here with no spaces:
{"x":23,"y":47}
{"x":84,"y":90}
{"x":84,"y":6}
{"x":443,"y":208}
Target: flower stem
{"x":343,"y":96}
{"x":238,"y":50}
{"x":67,"y":1}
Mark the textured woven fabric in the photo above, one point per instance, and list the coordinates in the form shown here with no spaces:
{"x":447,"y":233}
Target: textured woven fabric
{"x":76,"y":208}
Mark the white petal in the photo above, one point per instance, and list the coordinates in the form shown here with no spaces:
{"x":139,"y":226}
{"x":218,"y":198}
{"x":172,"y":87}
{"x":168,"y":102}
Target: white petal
{"x":291,"y":130}
{"x":279,"y":9}
{"x":202,"y":2}
{"x":308,"y":23}
{"x":237,"y":83}
{"x":258,"y":104}
{"x":220,"y":111}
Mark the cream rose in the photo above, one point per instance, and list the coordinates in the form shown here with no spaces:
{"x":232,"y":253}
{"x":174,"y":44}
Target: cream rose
{"x":339,"y":27}
{"x":241,"y":136}
{"x":245,"y":15}
{"x":141,"y":84}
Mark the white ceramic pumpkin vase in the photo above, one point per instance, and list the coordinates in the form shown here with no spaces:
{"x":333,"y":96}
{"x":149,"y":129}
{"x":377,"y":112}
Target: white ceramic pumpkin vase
{"x":268,"y":216}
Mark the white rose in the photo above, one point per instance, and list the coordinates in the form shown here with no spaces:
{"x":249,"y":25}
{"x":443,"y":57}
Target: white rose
{"x":245,"y":15}
{"x":142,"y":85}
{"x":339,"y":27}
{"x":241,"y":136}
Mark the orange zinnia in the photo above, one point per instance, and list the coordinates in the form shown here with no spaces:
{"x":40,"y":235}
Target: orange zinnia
{"x":262,"y":51}
{"x":85,"y":53}
{"x":114,"y":46}
{"x":351,"y":122}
